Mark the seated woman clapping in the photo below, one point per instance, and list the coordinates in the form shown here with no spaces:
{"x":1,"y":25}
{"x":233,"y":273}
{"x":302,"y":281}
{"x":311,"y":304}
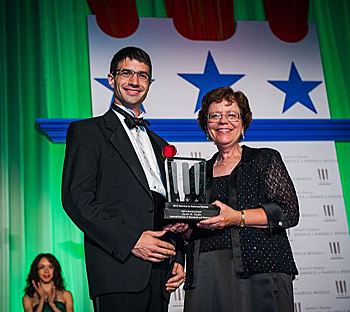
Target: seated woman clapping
{"x":45,"y":290}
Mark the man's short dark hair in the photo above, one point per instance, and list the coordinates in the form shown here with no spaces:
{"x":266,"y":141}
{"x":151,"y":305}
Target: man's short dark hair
{"x":133,"y":53}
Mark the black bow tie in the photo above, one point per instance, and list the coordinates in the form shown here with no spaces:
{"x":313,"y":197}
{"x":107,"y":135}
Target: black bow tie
{"x":130,"y":121}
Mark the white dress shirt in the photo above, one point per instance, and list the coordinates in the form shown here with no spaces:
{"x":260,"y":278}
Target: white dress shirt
{"x":144,"y":151}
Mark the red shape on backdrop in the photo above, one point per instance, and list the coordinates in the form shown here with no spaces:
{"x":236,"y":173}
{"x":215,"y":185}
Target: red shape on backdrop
{"x":202,"y":20}
{"x":118,"y":19}
{"x":288,"y":19}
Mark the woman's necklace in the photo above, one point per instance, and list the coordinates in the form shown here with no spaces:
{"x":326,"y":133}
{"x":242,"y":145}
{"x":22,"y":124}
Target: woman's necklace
{"x":219,"y":162}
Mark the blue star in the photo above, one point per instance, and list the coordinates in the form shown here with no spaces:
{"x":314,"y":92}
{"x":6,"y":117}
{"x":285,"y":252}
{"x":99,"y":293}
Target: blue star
{"x":296,"y":90}
{"x":210,"y":79}
{"x":104,"y":82}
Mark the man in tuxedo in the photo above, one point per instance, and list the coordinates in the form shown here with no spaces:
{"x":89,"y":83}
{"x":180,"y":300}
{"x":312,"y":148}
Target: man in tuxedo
{"x":113,"y":191}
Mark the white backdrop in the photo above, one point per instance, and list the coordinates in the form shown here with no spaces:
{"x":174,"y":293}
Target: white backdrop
{"x":260,"y":65}
{"x":321,"y":240}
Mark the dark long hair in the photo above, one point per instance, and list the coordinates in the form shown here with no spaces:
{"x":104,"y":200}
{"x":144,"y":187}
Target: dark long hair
{"x":34,"y":276}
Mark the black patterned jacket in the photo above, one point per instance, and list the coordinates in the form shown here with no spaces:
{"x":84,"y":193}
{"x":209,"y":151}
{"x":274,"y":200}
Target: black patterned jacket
{"x":260,"y":180}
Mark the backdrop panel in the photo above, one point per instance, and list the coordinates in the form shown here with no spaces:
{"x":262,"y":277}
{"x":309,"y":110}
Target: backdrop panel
{"x":44,"y":73}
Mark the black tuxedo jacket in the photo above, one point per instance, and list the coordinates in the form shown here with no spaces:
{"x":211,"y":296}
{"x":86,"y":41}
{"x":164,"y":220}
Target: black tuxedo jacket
{"x":106,"y":194}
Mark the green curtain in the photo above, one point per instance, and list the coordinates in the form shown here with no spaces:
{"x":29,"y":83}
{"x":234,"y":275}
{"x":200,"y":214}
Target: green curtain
{"x":44,"y":72}
{"x":333,"y":27}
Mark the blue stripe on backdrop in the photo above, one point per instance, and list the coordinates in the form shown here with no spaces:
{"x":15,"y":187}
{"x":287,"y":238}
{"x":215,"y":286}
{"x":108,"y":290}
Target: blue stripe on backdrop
{"x":187,"y":130}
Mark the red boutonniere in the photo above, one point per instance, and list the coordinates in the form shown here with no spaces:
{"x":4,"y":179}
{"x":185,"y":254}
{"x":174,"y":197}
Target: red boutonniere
{"x":169,"y":151}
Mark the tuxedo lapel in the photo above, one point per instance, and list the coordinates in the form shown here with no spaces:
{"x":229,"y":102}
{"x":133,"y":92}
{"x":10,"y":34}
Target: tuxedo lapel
{"x":121,"y":142}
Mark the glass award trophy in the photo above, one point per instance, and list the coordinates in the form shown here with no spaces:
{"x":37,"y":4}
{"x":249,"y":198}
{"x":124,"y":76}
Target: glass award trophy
{"x":186,"y":180}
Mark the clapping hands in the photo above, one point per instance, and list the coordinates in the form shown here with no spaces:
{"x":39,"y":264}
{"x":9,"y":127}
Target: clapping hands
{"x":45,"y":295}
{"x":42,"y":296}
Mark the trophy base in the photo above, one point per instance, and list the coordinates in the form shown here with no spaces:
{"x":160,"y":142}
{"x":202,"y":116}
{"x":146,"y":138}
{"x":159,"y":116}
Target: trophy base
{"x":186,"y":212}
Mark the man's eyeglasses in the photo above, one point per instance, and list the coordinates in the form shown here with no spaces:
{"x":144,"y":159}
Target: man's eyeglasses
{"x":128,"y":73}
{"x":230,"y":116}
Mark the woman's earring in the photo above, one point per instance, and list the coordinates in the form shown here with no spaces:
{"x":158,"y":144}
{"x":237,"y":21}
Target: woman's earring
{"x":243,"y":136}
{"x":208,"y":137}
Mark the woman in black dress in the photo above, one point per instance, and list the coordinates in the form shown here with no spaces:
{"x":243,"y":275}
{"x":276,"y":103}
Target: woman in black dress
{"x":241,"y":260}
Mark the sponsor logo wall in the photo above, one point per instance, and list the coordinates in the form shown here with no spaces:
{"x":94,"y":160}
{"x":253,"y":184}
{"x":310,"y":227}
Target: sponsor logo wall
{"x":282,"y":81}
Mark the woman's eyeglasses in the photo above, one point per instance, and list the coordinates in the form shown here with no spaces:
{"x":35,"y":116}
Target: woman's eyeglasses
{"x":230,"y":116}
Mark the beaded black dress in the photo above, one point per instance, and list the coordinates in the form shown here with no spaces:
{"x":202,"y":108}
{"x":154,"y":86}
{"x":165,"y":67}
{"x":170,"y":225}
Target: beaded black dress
{"x":214,"y":281}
